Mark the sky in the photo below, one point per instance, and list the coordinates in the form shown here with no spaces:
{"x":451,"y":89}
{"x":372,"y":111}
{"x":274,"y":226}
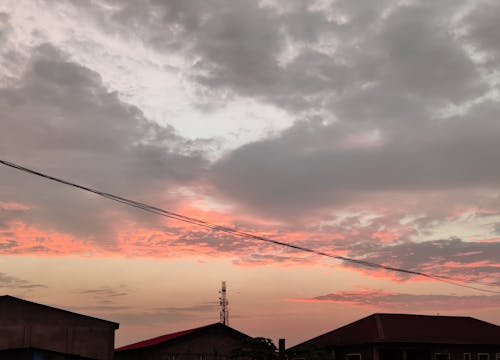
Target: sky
{"x":365,"y":129}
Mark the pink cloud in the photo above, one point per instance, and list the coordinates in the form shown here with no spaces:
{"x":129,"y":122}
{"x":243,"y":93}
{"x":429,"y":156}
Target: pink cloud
{"x":393,"y":301}
{"x":14,"y":206}
{"x":383,"y":240}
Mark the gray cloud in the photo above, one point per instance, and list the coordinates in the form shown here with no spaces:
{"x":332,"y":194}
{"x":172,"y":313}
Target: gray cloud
{"x":388,"y":301}
{"x":4,"y":26}
{"x":483,"y":31}
{"x":388,"y":83}
{"x":161,"y":316}
{"x":416,"y":53}
{"x":104,"y":291}
{"x":102,"y":309}
{"x":369,"y":84}
{"x":467,"y":260}
{"x":306,"y":26}
{"x":106,"y":295}
{"x":126,"y":316}
{"x":12,"y":283}
{"x":60,"y":118}
{"x":236,"y":45}
{"x":239,"y":45}
{"x":210,"y":307}
{"x":129,"y":315}
{"x":309,"y":166}
{"x":383,"y":85}
{"x":9,"y":56}
{"x":406,"y":48}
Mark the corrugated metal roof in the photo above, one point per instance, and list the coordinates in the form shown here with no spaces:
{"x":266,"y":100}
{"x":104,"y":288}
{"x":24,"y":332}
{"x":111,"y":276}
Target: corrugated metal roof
{"x":9,"y":298}
{"x":438,"y":329}
{"x":169,"y":337}
{"x":409,"y":328}
{"x":157,"y":340}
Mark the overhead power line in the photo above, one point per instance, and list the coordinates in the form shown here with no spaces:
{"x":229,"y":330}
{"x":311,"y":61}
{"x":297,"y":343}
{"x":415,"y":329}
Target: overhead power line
{"x":244,"y":234}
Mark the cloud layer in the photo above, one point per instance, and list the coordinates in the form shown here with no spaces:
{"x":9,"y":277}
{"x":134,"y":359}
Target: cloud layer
{"x":60,"y":117}
{"x":391,"y":156}
{"x":391,"y":301}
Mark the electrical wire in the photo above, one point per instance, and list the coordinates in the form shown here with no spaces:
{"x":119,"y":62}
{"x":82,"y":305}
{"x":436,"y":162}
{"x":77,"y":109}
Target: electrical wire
{"x":202,"y":223}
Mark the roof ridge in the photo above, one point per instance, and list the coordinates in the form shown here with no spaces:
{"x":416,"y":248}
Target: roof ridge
{"x":381,"y":327}
{"x":427,"y":315}
{"x":117,"y":325}
{"x":170,"y":336}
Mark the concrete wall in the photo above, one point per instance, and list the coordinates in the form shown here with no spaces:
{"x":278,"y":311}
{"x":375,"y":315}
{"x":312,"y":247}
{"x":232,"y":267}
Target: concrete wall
{"x":24,"y":324}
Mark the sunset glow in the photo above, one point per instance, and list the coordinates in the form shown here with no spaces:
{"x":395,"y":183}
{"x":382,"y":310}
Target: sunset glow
{"x":363,"y":130}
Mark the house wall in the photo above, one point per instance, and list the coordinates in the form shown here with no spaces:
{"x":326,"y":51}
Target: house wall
{"x":212,"y":346}
{"x":36,"y":354}
{"x":399,"y":351}
{"x":366,"y":352}
{"x":418,"y":351}
{"x":25,"y":324}
{"x":430,"y":351}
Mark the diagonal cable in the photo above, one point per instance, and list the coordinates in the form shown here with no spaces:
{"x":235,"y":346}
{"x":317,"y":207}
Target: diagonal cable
{"x":239,"y":233}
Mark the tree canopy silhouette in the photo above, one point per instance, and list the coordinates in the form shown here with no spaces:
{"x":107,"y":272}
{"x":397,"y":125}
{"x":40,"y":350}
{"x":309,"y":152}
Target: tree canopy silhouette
{"x":258,"y":348}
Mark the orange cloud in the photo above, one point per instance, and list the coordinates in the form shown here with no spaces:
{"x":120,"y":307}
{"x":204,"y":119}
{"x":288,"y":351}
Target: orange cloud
{"x":377,"y":241}
{"x":22,"y":239}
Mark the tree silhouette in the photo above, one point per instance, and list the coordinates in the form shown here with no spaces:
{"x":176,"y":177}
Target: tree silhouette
{"x":258,"y":348}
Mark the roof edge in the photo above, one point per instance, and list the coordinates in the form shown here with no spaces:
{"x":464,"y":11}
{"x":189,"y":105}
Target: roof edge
{"x":180,"y":334}
{"x":115,"y":324}
{"x":379,"y":326}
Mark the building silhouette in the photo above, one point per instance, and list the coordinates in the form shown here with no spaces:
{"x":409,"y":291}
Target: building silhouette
{"x":405,"y":337}
{"x":30,"y":330}
{"x":212,"y":342}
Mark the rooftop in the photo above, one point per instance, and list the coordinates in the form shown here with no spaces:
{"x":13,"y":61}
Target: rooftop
{"x":8,"y":298}
{"x":177,"y":335}
{"x":394,"y":328}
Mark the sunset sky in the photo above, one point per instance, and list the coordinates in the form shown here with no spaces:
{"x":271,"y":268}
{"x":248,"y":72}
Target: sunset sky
{"x":365,"y":129}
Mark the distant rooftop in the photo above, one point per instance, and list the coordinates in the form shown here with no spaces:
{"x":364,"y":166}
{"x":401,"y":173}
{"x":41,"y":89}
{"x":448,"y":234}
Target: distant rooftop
{"x":177,"y":335}
{"x":396,"y":328}
{"x":7,"y":298}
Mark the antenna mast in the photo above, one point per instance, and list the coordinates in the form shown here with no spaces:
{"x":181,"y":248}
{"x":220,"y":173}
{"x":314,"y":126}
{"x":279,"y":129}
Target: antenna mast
{"x":224,"y":311}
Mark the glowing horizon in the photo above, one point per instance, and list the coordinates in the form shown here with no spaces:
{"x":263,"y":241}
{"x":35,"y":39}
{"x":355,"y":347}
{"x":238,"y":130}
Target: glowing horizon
{"x":364,"y":131}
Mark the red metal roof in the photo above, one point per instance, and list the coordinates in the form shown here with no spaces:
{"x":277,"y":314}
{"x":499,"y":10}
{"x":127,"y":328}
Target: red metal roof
{"x":159,"y":339}
{"x":391,"y":328}
{"x":168,"y":337}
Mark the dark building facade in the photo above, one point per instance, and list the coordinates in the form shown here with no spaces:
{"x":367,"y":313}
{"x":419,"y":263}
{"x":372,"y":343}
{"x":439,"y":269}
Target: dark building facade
{"x":34,"y":331}
{"x":211,"y":342}
{"x":405,"y":337}
{"x":37,"y":354}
